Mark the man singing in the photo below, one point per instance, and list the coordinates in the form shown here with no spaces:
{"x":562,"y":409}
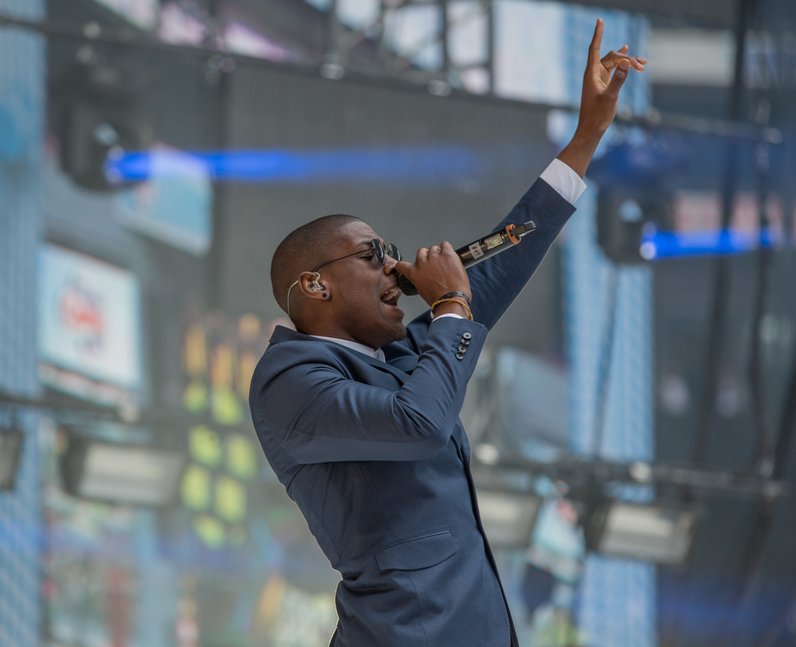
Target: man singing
{"x":358,"y":413}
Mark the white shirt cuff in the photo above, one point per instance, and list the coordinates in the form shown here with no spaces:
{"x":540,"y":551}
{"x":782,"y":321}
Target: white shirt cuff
{"x":564,"y":181}
{"x":447,"y":314}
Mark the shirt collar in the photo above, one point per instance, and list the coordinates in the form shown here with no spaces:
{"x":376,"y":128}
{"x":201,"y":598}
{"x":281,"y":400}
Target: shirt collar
{"x":376,"y":353}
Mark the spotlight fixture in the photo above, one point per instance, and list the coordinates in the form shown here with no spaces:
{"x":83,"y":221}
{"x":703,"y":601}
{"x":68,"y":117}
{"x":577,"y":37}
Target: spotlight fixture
{"x":122,"y":474}
{"x":10,"y":453}
{"x":624,"y":217}
{"x":99,"y":120}
{"x":508,"y":516}
{"x":659,"y":532}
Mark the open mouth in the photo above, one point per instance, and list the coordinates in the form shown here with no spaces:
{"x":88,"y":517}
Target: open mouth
{"x":391,"y":296}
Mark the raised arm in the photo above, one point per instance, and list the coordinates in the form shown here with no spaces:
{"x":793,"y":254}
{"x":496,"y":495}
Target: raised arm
{"x":496,"y":282}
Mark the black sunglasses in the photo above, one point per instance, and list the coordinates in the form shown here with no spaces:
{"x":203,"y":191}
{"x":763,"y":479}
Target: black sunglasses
{"x":379,"y":250}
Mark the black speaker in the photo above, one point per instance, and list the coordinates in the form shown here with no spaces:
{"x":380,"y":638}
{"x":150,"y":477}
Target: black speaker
{"x":623,"y":215}
{"x":100,"y":119}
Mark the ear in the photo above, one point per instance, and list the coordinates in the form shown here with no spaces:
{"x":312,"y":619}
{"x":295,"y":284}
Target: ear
{"x":311,"y":286}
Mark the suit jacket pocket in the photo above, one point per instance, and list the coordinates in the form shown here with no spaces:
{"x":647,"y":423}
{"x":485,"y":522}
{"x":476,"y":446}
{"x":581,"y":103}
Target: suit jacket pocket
{"x":417,"y":552}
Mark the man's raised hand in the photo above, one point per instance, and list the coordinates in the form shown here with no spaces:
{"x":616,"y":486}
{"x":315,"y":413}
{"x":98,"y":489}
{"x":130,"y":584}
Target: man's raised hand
{"x":602,"y":81}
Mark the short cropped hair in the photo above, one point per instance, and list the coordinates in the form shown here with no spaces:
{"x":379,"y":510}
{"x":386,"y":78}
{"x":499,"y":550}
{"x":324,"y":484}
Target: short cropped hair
{"x":301,"y":250}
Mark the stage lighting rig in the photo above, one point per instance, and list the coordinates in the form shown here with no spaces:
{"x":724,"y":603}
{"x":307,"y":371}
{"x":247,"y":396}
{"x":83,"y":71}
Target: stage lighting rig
{"x":508,"y":506}
{"x":656,"y":532}
{"x":508,"y":516}
{"x":119,"y":473}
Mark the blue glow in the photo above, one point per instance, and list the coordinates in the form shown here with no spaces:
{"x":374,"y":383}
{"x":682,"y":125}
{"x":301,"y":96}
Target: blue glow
{"x":666,"y":244}
{"x":397,"y":166}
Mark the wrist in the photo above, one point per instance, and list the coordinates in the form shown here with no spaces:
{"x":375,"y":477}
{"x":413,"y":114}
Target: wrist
{"x":453,"y":302}
{"x":577,"y":154}
{"x":451,"y":308}
{"x":455,"y":294}
{"x":588,"y":137}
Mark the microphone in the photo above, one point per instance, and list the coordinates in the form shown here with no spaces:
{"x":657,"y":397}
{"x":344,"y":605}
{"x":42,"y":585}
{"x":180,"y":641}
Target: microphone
{"x":481,"y":249}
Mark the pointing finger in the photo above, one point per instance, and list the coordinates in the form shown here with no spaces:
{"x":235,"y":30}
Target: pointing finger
{"x":596,"y":42}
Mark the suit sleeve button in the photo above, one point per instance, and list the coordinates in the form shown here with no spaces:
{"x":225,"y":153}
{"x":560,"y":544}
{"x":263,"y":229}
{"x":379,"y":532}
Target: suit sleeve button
{"x":459,"y":355}
{"x":462,"y":348}
{"x":466,"y":335}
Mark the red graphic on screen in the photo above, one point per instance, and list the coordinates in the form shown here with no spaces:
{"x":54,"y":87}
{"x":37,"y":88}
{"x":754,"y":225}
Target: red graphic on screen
{"x":81,"y":312}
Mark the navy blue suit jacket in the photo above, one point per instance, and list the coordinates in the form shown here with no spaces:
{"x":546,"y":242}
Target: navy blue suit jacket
{"x":376,"y":458}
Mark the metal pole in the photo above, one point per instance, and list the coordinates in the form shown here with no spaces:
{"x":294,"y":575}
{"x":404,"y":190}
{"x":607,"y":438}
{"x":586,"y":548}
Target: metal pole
{"x":706,"y":419}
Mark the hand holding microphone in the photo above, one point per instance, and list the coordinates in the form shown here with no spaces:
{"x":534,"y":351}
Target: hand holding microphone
{"x":468,"y":255}
{"x":436,"y":271}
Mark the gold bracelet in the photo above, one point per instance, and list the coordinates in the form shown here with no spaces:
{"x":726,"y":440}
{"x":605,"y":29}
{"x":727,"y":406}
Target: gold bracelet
{"x":461,"y":302}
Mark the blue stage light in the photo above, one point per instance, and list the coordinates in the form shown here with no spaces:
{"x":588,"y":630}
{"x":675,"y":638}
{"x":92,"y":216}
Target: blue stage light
{"x":409,"y":165}
{"x":656,"y":245}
